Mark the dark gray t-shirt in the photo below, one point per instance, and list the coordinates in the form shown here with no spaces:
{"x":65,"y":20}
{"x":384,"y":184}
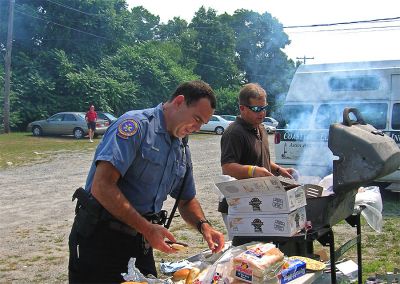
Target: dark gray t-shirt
{"x":241,"y":144}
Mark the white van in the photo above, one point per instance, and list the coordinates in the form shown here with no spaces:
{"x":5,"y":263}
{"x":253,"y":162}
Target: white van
{"x":317,"y":97}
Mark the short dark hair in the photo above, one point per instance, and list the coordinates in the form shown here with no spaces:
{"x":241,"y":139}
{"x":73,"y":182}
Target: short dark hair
{"x":195,"y":90}
{"x":251,"y":91}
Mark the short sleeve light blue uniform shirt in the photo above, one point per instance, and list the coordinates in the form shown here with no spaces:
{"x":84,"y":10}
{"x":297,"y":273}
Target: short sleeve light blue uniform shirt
{"x":152,"y":164}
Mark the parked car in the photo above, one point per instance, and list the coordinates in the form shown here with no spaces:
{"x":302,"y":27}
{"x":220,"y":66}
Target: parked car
{"x":106,"y":116}
{"x":216,"y":124}
{"x":270,"y":121}
{"x":228,"y":117}
{"x":269,"y":128}
{"x":66,"y":123}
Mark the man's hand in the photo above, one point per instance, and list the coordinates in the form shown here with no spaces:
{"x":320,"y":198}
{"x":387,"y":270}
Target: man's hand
{"x":156,"y":234}
{"x":214,"y":239}
{"x":289,"y":173}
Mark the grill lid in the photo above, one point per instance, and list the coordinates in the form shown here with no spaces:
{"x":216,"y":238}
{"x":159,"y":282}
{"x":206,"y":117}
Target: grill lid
{"x":364,"y":152}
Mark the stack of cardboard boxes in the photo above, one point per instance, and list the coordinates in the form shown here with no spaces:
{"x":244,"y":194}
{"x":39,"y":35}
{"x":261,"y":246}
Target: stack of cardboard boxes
{"x":262,"y":207}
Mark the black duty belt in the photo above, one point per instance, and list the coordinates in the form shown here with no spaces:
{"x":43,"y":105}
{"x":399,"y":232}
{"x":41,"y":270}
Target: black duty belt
{"x":89,"y":213}
{"x":155,"y":218}
{"x":120,"y":227}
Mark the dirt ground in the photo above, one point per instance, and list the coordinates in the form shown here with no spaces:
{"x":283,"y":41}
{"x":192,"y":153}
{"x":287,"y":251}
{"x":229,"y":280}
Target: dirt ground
{"x":36,"y":212}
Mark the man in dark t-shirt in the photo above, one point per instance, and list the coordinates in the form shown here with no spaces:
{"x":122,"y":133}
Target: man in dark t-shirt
{"x":244,"y":144}
{"x":244,"y":147}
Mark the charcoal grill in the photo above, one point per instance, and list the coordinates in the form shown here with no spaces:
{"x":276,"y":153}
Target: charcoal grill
{"x":364,"y":154}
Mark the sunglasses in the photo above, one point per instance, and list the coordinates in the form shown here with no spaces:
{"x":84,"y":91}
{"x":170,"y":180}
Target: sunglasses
{"x":257,"y":108}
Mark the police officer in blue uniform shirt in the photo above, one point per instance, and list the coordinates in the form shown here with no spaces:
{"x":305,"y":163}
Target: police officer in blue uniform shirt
{"x":139,"y":162}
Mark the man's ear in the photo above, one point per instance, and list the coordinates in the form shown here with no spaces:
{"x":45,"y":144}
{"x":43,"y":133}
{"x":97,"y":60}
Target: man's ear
{"x":241,"y":107}
{"x":178,"y":100}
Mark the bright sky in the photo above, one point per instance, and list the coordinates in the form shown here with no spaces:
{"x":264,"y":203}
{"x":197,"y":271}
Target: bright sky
{"x":334,"y":46}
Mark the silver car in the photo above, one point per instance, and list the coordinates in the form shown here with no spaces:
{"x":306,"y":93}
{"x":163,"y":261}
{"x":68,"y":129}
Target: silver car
{"x":216,"y":124}
{"x":270,"y":124}
{"x":270,"y":121}
{"x":66,"y":123}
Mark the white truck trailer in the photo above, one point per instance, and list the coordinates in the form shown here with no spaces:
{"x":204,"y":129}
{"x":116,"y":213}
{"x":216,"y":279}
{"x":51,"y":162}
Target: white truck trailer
{"x":316,"y":98}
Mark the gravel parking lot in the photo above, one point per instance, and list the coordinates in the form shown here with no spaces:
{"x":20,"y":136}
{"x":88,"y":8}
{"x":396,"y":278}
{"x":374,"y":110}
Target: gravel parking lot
{"x":37,"y":211}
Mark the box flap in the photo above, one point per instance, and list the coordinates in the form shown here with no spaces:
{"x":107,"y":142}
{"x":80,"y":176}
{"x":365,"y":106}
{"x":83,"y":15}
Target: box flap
{"x":251,"y":186}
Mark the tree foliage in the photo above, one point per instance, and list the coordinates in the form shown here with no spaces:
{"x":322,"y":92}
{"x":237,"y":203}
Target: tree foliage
{"x":212,"y":47}
{"x":67,"y":55}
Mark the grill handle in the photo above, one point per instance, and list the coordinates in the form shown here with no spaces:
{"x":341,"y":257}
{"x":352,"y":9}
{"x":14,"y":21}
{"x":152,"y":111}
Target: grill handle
{"x":346,"y":118}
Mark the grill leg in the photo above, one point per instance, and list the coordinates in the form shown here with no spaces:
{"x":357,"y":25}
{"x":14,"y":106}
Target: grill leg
{"x":327,"y":239}
{"x":359,"y":257}
{"x":331,"y":241}
{"x":355,"y":221}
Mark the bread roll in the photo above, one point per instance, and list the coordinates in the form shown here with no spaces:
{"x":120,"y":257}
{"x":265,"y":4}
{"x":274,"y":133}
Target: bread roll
{"x":194,"y":272}
{"x":180,"y":274}
{"x":178,"y":247}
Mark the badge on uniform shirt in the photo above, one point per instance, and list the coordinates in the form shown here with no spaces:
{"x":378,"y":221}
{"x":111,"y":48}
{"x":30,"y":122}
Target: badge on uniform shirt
{"x":127,"y":128}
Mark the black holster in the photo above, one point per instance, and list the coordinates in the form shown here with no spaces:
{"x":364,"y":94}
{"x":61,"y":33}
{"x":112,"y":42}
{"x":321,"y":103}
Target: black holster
{"x":159,"y":218}
{"x":88,"y":212}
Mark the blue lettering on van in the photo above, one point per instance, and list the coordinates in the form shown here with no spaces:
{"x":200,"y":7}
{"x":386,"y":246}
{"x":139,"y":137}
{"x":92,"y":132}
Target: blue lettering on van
{"x":306,"y":135}
{"x":395,"y":135}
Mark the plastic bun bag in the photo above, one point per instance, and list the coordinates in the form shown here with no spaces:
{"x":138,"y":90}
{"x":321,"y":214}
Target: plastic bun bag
{"x":370,"y":197}
{"x":135,"y":275}
{"x":327,"y":184}
{"x":254,"y":262}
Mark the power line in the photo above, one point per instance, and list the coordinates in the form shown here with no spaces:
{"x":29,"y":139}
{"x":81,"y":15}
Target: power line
{"x":57,"y":24}
{"x":360,"y":29}
{"x":71,"y":8}
{"x":344,"y":23}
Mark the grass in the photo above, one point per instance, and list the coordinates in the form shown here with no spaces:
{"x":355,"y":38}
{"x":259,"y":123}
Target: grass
{"x":22,"y":148}
{"x":380,"y":251}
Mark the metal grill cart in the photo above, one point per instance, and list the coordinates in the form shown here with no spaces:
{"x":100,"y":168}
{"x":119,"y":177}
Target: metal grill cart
{"x":364,"y":154}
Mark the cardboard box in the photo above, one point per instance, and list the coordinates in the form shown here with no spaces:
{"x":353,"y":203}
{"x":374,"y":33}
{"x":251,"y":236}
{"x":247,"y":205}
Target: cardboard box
{"x":285,"y":225}
{"x":264,"y":195}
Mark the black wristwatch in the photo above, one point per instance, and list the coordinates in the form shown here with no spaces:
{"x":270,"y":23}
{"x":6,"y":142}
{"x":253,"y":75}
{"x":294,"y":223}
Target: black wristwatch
{"x":200,"y":223}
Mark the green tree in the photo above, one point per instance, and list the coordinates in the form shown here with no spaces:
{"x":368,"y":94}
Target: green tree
{"x":259,"y":43}
{"x":212,"y":47}
{"x":67,"y":55}
{"x":173,"y":30}
{"x":143,"y":26}
{"x":227,"y":101}
{"x":152,"y":66}
{"x":35,"y":84}
{"x":88,"y":29}
{"x":107,"y":87}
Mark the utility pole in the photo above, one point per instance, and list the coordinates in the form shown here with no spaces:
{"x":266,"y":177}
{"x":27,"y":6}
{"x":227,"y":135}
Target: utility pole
{"x":7,"y":68}
{"x":304,"y":58}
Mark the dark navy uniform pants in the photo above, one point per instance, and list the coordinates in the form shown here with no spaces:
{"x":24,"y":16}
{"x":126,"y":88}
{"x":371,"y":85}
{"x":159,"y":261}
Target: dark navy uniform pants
{"x":102,"y":257}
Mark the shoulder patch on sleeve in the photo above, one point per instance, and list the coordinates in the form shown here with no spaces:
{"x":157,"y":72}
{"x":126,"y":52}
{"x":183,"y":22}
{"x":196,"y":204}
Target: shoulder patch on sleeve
{"x":127,"y":128}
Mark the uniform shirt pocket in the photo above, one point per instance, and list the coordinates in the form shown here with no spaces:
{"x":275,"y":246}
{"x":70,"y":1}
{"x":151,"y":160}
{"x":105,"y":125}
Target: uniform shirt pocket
{"x":153,"y":168}
{"x":178,"y":175}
